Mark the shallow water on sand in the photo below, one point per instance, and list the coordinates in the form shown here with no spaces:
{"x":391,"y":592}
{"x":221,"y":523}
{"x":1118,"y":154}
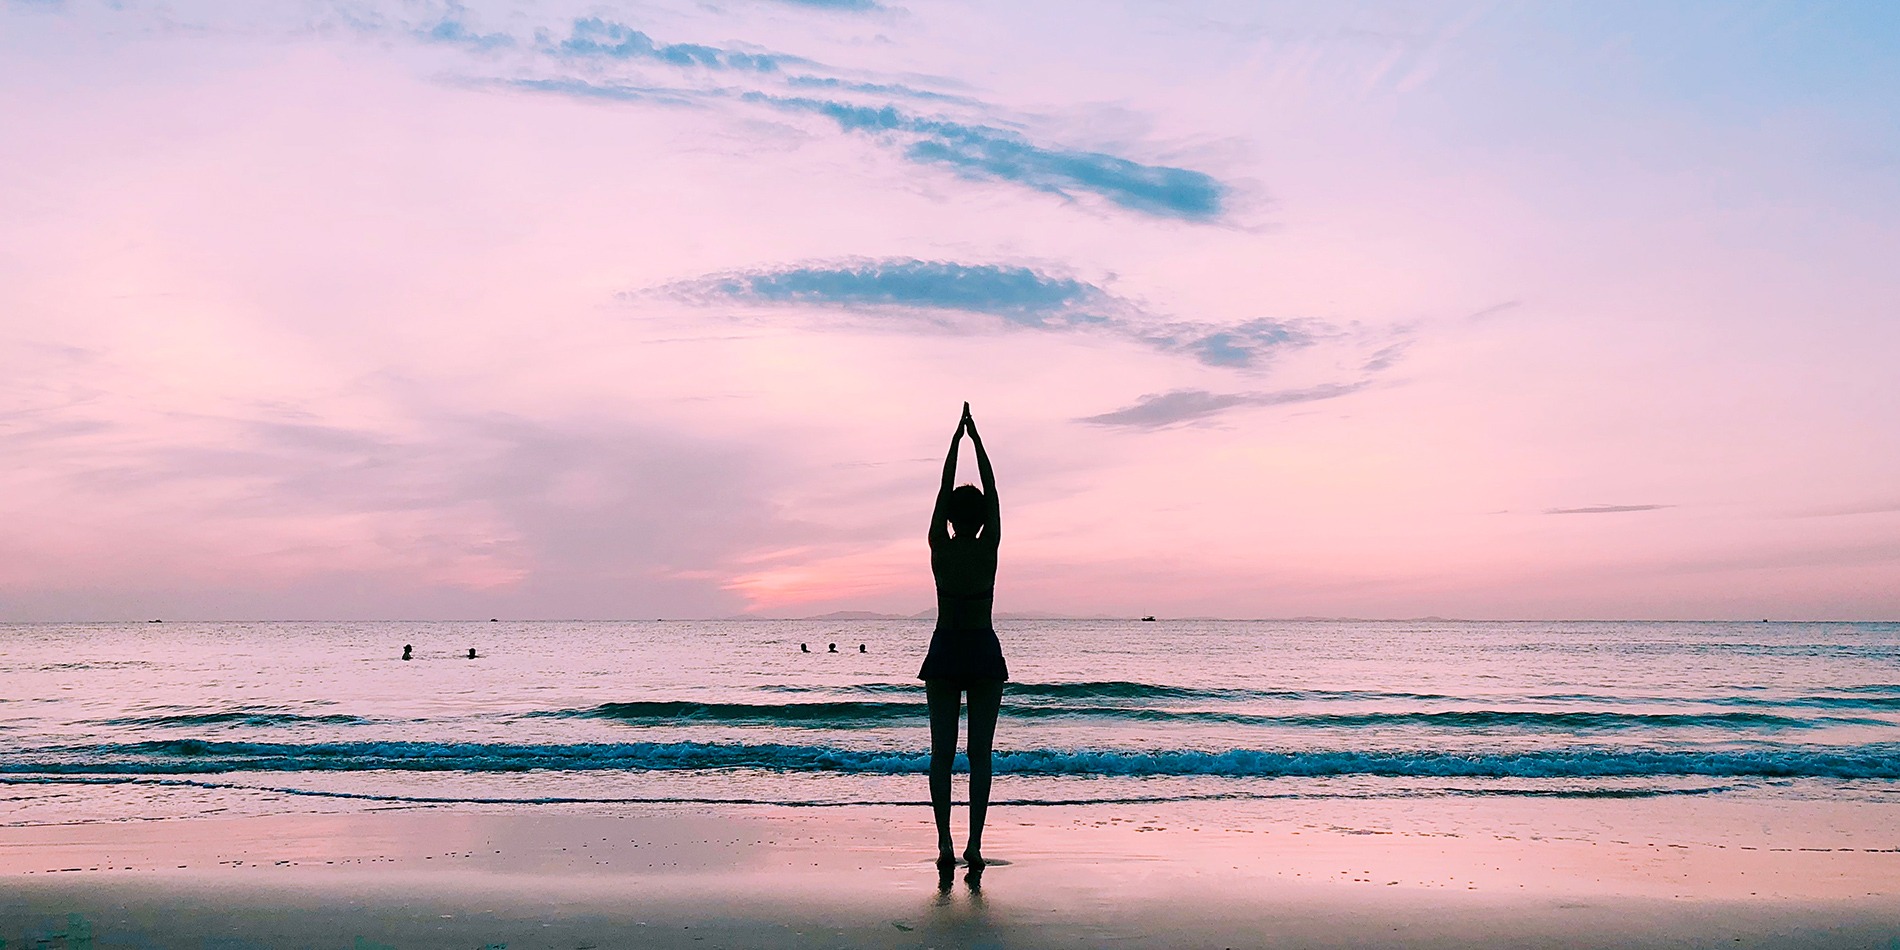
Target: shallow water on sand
{"x":113,"y":720}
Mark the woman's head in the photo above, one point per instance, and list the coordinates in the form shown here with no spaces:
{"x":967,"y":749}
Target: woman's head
{"x":968,"y":510}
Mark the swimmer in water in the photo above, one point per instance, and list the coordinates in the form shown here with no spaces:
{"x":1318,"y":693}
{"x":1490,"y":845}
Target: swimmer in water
{"x":406,"y":650}
{"x":861,"y":649}
{"x":833,"y":649}
{"x":802,"y":648}
{"x":471,"y":653}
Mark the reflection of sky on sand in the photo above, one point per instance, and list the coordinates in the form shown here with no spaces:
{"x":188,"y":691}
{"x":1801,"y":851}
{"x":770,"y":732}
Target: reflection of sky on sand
{"x":1700,"y":848}
{"x":961,"y":914}
{"x":1703,"y":848}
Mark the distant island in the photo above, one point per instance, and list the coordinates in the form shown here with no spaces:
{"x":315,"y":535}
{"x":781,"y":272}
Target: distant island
{"x":866,"y":615}
{"x":931,"y":614}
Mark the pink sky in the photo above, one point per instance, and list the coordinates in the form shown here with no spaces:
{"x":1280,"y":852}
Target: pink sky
{"x":410,"y":310}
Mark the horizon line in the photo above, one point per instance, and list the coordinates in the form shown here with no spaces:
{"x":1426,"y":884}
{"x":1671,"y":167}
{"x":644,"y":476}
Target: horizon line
{"x":1197,"y":618}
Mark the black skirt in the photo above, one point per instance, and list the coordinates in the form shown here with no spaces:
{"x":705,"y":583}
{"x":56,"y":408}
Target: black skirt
{"x":965,"y":656}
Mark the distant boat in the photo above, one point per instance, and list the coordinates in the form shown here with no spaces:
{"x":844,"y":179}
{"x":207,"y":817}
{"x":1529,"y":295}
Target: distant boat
{"x":1147,"y":620}
{"x":154,"y":621}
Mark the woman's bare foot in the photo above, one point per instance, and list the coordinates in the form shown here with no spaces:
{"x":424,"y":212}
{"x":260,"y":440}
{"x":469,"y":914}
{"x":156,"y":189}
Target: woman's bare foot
{"x":946,"y":859}
{"x":973,"y":857}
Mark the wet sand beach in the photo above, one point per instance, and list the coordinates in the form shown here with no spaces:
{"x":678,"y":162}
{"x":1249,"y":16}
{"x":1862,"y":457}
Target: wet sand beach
{"x":1655,"y":872}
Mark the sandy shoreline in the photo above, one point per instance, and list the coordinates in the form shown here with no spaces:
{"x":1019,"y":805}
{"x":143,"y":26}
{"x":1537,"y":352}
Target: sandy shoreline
{"x":1311,"y":873}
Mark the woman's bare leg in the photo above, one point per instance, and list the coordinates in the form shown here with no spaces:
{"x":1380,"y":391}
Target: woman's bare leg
{"x":986,"y":698}
{"x":944,"y":698}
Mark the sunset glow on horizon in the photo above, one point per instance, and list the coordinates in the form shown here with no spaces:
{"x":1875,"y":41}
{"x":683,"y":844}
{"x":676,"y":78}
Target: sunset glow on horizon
{"x":361,"y":309}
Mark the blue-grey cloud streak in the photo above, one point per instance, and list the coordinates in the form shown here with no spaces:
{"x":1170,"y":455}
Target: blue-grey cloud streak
{"x":854,"y":6}
{"x":887,"y":89}
{"x":1604,"y":509}
{"x":1181,"y":406}
{"x":610,"y":92}
{"x":974,"y":150}
{"x":595,"y":37}
{"x":1241,"y":346}
{"x":1017,"y":295}
{"x":986,"y":152}
{"x":452,"y":30}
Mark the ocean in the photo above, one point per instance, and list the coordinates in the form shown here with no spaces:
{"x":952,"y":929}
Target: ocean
{"x":119,"y":721}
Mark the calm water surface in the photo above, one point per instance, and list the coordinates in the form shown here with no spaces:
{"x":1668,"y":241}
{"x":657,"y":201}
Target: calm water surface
{"x":155,"y":720}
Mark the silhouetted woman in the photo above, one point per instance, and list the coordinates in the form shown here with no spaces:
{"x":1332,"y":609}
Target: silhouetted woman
{"x":965,"y":656}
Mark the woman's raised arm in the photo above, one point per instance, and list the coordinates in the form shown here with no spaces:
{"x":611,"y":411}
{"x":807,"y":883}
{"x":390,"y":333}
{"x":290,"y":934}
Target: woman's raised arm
{"x":941,"y":512}
{"x":993,"y":524}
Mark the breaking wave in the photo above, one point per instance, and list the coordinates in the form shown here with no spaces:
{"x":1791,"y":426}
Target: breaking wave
{"x":198,"y":756}
{"x":831,"y":715}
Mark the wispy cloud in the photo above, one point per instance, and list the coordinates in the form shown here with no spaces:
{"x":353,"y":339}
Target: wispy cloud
{"x":976,"y":150}
{"x":595,"y":37}
{"x":1386,"y":356}
{"x":1020,"y":295}
{"x":1164,"y":410}
{"x":986,"y":152}
{"x":1017,"y":295}
{"x":453,"y":29}
{"x":610,"y":92}
{"x":1241,"y":345}
{"x":1604,"y":509}
{"x":1494,"y":311}
{"x":888,"y":89}
{"x":1875,"y":507}
{"x":854,"y":6}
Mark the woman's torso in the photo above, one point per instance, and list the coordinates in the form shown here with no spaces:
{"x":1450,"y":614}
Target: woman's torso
{"x":965,"y":570}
